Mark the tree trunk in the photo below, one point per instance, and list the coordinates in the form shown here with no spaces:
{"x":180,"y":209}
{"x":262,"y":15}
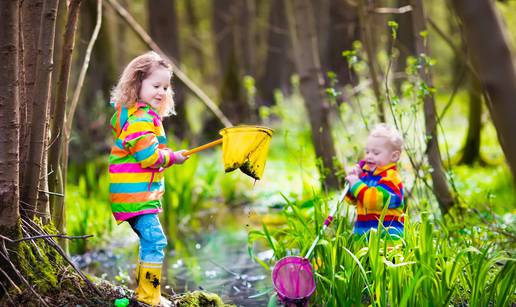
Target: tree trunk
{"x":9,"y":114}
{"x":494,"y":66}
{"x":304,"y":42}
{"x":93,"y":108}
{"x":366,"y":23}
{"x":40,"y":102}
{"x":30,"y":25}
{"x":58,"y":124}
{"x":278,"y":64}
{"x":440,"y":183}
{"x":405,"y":43}
{"x":343,"y":31}
{"x":194,"y":44}
{"x":471,"y":149}
{"x":245,"y":36}
{"x":233,"y":102}
{"x":164,"y":29}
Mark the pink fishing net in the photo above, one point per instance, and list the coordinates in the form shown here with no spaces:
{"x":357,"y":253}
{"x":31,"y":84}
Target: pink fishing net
{"x":293,"y":280}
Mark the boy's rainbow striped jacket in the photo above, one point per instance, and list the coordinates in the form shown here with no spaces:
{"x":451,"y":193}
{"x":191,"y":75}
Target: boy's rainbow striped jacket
{"x":137,"y":161}
{"x":372,"y":193}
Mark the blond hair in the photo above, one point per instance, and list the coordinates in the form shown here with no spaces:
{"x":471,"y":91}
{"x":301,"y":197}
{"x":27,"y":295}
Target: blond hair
{"x":390,"y":133}
{"x":127,"y":90}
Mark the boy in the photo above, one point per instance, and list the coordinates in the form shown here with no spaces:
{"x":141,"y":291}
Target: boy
{"x":375,"y":183}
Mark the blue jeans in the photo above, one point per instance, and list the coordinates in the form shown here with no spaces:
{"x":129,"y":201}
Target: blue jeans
{"x":152,"y":238}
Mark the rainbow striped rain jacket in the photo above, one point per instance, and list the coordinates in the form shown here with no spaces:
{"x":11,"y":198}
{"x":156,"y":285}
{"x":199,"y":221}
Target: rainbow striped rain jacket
{"x":137,"y":161}
{"x":375,"y":190}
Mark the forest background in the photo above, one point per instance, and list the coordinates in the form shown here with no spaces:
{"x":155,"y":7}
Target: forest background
{"x":321,"y":74}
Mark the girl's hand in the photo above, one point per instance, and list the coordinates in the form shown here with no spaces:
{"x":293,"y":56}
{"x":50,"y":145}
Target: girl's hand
{"x":179,"y":158}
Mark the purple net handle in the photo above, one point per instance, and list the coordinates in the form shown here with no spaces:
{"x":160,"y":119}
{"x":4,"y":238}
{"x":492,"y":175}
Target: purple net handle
{"x":328,"y":220}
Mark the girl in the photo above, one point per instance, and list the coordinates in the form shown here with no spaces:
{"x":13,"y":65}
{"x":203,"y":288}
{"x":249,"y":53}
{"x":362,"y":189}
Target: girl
{"x":138,"y":158}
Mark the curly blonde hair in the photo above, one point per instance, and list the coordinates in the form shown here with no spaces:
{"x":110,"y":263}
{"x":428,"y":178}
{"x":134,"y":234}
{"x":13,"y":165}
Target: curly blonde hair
{"x":390,"y":133}
{"x":127,"y":90}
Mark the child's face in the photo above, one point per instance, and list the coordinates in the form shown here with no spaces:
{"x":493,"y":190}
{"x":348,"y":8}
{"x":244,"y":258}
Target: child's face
{"x":154,"y":87}
{"x":379,"y":152}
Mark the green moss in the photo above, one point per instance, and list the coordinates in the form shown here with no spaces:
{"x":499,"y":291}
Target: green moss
{"x":198,"y":299}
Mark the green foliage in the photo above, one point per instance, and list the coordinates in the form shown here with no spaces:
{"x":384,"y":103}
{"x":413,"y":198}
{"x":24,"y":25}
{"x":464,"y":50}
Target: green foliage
{"x":430,"y":266}
{"x":87,"y":207}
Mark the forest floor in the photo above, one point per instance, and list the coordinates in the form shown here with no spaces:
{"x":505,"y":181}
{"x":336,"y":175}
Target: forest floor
{"x":73,"y":291}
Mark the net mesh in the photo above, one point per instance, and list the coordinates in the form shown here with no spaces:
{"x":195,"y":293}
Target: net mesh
{"x":293,"y":280}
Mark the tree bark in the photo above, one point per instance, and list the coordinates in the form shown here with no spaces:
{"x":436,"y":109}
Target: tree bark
{"x":440,"y":183}
{"x":304,"y":42}
{"x":40,"y":102}
{"x":495,"y":67}
{"x":30,"y":25}
{"x":9,"y":113}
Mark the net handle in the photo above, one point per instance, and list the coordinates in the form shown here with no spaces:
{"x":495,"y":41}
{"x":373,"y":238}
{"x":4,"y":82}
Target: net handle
{"x":328,"y":220}
{"x":203,"y":147}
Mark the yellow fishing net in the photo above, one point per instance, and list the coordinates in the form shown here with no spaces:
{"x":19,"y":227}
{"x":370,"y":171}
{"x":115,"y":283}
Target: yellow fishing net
{"x":246,"y":147}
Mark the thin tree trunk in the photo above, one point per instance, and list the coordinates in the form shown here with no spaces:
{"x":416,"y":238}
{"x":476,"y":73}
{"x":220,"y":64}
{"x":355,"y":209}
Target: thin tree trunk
{"x":278,"y":65}
{"x":491,"y":57}
{"x":343,"y":31}
{"x":40,"y":102}
{"x":56,"y":185}
{"x":193,"y":41}
{"x":471,"y":149}
{"x":164,"y":29}
{"x":304,"y":42}
{"x":405,"y":43}
{"x":366,"y":22}
{"x":245,"y":35}
{"x":232,"y":97}
{"x":9,"y":114}
{"x":440,"y":183}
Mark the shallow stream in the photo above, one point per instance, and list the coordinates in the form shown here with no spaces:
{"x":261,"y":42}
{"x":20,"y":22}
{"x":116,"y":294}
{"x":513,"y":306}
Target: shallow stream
{"x":213,"y":258}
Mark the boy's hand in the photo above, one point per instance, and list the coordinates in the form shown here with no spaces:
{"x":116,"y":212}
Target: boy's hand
{"x":352,"y":179}
{"x":179,"y":158}
{"x":355,"y":170}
